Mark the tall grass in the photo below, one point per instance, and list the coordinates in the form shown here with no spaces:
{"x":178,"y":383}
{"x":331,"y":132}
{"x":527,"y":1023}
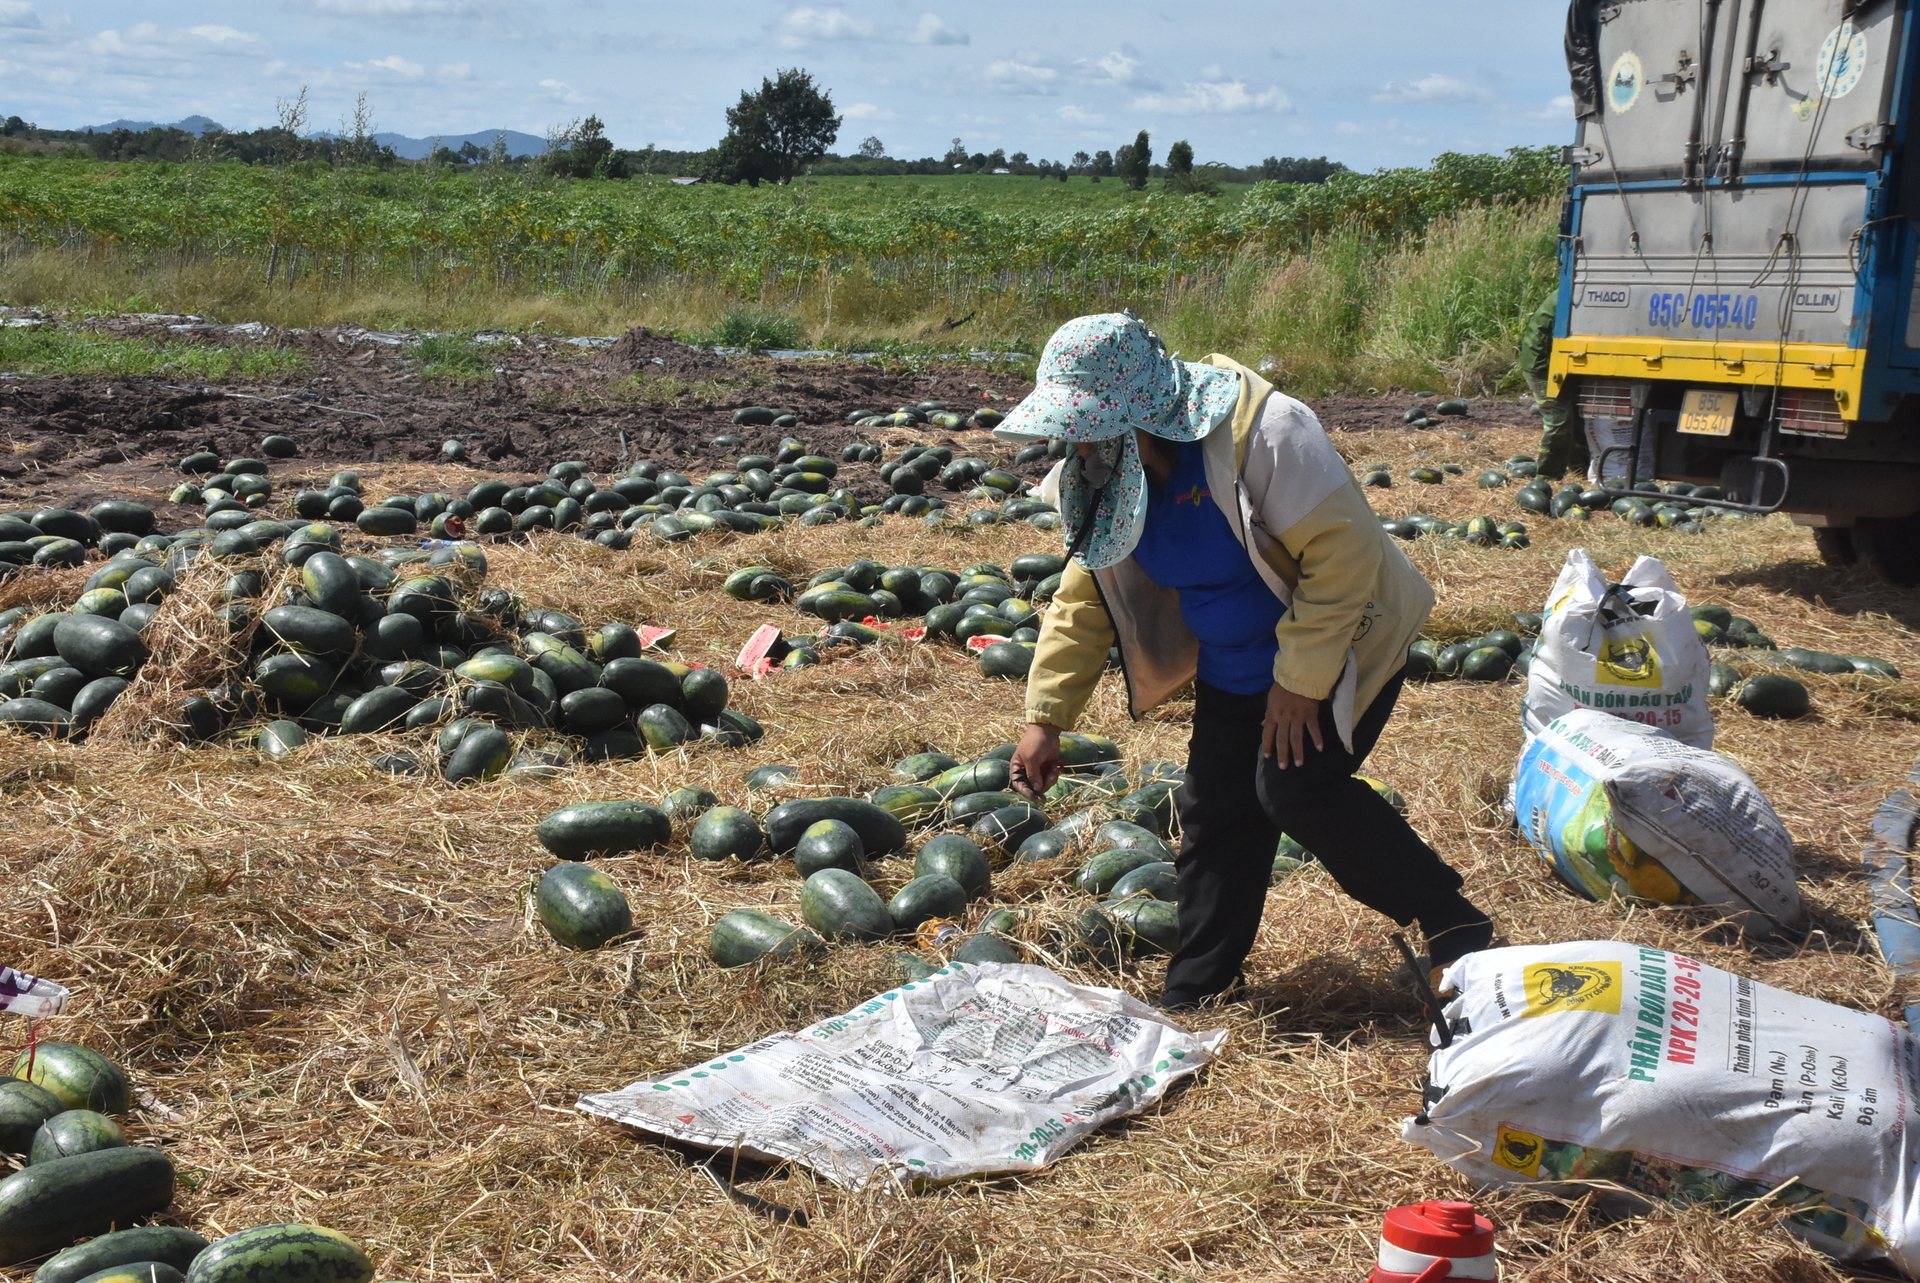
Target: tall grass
{"x":51,"y":350}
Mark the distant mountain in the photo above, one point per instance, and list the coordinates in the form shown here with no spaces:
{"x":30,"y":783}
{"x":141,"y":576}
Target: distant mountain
{"x":191,"y":125}
{"x":518,"y":144}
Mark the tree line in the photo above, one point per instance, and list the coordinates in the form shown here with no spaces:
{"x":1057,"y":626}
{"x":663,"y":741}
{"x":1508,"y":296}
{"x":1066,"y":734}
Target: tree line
{"x":784,"y":128}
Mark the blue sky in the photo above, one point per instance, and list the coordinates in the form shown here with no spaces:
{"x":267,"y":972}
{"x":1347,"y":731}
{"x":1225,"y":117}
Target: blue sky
{"x":1369,"y":82}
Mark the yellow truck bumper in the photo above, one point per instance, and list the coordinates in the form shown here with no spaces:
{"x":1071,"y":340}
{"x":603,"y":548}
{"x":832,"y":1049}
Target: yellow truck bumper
{"x":1821,"y":366}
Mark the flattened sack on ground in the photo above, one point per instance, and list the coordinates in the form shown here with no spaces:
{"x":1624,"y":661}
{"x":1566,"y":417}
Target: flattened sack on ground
{"x":1621,"y":807}
{"x":978,"y":1069}
{"x":1624,"y":1067}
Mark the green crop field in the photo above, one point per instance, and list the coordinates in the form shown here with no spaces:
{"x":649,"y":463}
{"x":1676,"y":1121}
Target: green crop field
{"x":1412,"y":275}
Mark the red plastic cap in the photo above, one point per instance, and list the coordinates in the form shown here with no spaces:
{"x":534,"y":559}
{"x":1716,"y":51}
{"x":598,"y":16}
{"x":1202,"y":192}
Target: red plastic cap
{"x":1439,"y":1229}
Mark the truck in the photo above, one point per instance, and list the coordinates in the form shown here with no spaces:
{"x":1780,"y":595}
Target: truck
{"x":1739,"y":302}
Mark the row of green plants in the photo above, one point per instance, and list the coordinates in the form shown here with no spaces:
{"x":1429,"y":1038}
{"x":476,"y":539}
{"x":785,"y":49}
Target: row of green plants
{"x":1408,"y":274}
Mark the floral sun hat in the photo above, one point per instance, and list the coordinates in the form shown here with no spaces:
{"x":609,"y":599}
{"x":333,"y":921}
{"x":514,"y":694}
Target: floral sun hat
{"x":1100,"y":378}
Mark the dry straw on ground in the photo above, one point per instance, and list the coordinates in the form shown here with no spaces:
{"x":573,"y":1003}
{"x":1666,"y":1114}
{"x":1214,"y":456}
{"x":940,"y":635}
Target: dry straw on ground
{"x":335,"y":1007}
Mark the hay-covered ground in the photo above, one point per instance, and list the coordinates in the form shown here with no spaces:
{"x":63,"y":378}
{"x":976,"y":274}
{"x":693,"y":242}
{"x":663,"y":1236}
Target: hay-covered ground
{"x":335,"y":1005}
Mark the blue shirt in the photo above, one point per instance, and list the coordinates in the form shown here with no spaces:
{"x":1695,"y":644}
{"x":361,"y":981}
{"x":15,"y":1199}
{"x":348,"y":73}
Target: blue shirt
{"x":1186,"y":544}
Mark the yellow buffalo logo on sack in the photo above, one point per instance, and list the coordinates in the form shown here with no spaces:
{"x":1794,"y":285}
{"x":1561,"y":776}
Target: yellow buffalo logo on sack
{"x":1629,"y":661}
{"x":1572,"y":986}
{"x":1518,"y":1151}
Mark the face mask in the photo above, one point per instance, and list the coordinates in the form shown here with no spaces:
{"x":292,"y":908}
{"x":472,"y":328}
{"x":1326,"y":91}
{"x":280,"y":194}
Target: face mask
{"x":1096,"y":467}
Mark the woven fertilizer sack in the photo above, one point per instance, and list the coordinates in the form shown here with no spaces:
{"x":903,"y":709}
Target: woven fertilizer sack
{"x":1629,"y":649}
{"x":1620,"y":808}
{"x":1666,"y":1081}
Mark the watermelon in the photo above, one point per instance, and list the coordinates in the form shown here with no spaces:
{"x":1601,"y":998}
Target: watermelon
{"x":1144,"y":925}
{"x":828,"y":844}
{"x":747,"y":935}
{"x":838,"y":904}
{"x":164,"y":1245}
{"x":986,"y":946}
{"x":24,"y":1106}
{"x":1722,"y":679}
{"x":726,"y":832}
{"x":984,"y":776}
{"x":581,"y":907}
{"x":966,"y":810}
{"x":913,"y":804}
{"x":684,"y":806}
{"x":1006,"y":827}
{"x":1156,"y":879}
{"x":923,"y":766}
{"x":1098,"y":875}
{"x":932,"y":895}
{"x":98,"y":646}
{"x":665,"y":727}
{"x":283,"y":1254}
{"x":604,"y":828}
{"x":1770,"y":695}
{"x":48,"y":1205}
{"x":1867,"y":664}
{"x":959,"y":859}
{"x":482,"y":754}
{"x":880,"y":831}
{"x":1121,"y":833}
{"x":1486,"y":664}
{"x":81,"y":1077}
{"x":1047,"y":845}
{"x":75,"y":1131}
{"x":703,"y":695}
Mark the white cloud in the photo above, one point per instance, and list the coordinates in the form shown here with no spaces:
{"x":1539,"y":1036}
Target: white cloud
{"x":804,"y":25}
{"x":1214,"y":95}
{"x":394,"y":8}
{"x":18,"y":14}
{"x":145,"y":42}
{"x":1120,"y":67}
{"x":1075,"y":115}
{"x":1434,"y":88}
{"x":809,"y":25}
{"x":933,"y":31}
{"x":868,"y":111}
{"x":456,"y":71}
{"x":392,"y":64}
{"x":561,"y":91}
{"x":1022,"y":74}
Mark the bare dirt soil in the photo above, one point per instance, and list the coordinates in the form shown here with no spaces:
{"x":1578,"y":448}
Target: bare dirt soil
{"x":73,"y":441}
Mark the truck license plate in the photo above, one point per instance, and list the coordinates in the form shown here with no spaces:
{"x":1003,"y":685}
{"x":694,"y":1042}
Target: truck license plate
{"x":1707,"y":414}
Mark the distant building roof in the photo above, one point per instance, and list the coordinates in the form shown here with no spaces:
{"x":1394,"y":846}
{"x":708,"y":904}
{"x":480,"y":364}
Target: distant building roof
{"x":1003,"y":171}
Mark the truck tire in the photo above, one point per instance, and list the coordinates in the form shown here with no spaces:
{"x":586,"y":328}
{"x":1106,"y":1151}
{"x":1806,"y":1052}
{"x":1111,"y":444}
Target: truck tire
{"x":1891,"y":545}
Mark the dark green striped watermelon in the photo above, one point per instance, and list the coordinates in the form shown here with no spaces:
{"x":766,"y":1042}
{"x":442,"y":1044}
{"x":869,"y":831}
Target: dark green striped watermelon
{"x":987,"y":946}
{"x":165,"y":1244}
{"x":923,"y":766}
{"x":1097,"y":876}
{"x":726,"y":832}
{"x":828,"y":844}
{"x":604,"y":828}
{"x":80,"y":1076}
{"x":76,"y":1131}
{"x":684,"y":806}
{"x":880,"y":831}
{"x":49,"y":1205}
{"x":283,"y":1254}
{"x":581,"y":907}
{"x":1770,"y":695}
{"x":1156,"y":879}
{"x":24,"y":1106}
{"x":747,"y":935}
{"x":932,"y":895}
{"x":838,"y":904}
{"x":959,"y":859}
{"x":914,"y":804}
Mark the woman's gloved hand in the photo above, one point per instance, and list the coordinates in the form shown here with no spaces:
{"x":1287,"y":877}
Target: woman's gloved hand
{"x":1036,"y":761}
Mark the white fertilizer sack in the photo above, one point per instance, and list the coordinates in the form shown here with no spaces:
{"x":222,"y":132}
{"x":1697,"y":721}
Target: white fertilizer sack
{"x":1631,"y":1068}
{"x":1629,"y":649}
{"x":1618,"y":807}
{"x":978,"y":1069}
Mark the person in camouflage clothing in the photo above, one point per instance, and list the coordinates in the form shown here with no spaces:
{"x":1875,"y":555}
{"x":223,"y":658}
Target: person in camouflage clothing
{"x":1563,"y":440}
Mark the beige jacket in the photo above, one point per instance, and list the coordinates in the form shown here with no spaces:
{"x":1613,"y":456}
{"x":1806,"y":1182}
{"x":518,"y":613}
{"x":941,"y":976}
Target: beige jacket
{"x":1354,"y":601}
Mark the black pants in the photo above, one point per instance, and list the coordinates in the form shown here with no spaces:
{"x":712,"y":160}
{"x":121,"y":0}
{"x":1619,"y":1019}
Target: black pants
{"x":1236,"y":803}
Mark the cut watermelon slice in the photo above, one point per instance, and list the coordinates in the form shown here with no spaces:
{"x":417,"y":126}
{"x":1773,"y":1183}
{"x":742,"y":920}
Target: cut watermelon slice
{"x":755,"y":657}
{"x":983,"y":640}
{"x":914,"y":634}
{"x":655,"y":638}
